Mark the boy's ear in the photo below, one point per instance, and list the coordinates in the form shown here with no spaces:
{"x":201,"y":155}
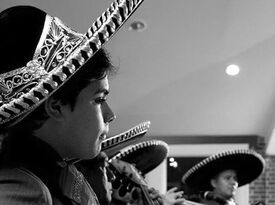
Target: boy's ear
{"x":53,"y":108}
{"x":213,"y":183}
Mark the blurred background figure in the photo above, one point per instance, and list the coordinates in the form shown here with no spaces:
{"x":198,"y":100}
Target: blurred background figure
{"x":217,"y":177}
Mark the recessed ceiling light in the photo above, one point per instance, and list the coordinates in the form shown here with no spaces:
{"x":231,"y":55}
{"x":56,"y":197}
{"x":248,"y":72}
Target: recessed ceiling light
{"x":232,"y":70}
{"x":137,"y":26}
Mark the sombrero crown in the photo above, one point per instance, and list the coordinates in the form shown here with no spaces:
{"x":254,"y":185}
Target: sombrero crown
{"x":39,"y":53}
{"x":248,"y":165}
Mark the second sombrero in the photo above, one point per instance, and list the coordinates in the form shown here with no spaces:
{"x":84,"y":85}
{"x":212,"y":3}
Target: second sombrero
{"x":248,"y":165}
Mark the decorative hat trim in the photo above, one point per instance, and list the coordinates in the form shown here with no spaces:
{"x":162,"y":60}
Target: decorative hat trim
{"x":61,"y":54}
{"x":125,"y":136}
{"x":126,"y":151}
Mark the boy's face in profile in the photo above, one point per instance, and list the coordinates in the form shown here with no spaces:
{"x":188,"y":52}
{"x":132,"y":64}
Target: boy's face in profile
{"x":87,"y":125}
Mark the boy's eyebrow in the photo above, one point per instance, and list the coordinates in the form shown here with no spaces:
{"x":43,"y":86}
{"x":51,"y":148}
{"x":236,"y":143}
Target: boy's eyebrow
{"x":102,"y":90}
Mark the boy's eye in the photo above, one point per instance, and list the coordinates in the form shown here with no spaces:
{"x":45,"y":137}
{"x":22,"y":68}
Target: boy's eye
{"x":100,"y":100}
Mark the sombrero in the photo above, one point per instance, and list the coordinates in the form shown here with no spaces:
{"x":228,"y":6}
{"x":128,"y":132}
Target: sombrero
{"x":114,"y":144}
{"x":145,"y":156}
{"x":39,"y":53}
{"x":248,"y":165}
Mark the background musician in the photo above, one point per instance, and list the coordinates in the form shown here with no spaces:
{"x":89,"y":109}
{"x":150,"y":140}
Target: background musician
{"x":217,"y":177}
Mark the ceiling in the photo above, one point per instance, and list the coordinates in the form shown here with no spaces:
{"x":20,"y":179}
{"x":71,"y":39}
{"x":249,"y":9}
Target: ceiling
{"x":172,"y":72}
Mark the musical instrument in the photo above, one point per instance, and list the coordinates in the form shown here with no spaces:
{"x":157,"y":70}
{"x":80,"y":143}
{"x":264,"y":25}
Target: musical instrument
{"x":129,"y":171}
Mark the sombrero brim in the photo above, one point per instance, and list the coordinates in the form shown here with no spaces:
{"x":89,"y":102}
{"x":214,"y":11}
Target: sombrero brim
{"x":247,"y":163}
{"x":113,"y":145}
{"x":48,"y":81}
{"x":145,"y":156}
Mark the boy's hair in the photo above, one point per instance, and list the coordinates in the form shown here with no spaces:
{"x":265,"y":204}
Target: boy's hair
{"x":96,"y":68}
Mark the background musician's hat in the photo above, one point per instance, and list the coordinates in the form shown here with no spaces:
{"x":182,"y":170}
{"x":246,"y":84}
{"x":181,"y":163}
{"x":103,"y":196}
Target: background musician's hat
{"x":248,"y":165}
{"x":145,"y":156}
{"x":39,"y":54}
{"x":114,"y":144}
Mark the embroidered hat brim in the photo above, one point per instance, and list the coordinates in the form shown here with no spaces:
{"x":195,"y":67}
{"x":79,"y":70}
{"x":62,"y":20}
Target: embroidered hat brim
{"x":145,"y":156}
{"x":60,"y":53}
{"x":113,"y":145}
{"x":248,"y":165}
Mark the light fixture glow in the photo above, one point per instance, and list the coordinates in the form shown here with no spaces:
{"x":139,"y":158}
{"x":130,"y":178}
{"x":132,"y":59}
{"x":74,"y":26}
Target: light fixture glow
{"x":173,"y":164}
{"x":171,"y":159}
{"x":232,"y":70}
{"x":137,"y":26}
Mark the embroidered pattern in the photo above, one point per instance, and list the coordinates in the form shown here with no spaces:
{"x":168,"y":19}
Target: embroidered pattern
{"x":56,"y":43}
{"x":59,"y":42}
{"x":77,"y":186}
{"x":19,"y":81}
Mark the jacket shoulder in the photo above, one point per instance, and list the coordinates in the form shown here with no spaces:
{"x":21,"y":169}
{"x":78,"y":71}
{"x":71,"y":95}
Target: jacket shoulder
{"x":20,"y":186}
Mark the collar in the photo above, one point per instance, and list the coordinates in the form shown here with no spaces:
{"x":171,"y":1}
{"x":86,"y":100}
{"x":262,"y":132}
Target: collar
{"x":74,"y":185}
